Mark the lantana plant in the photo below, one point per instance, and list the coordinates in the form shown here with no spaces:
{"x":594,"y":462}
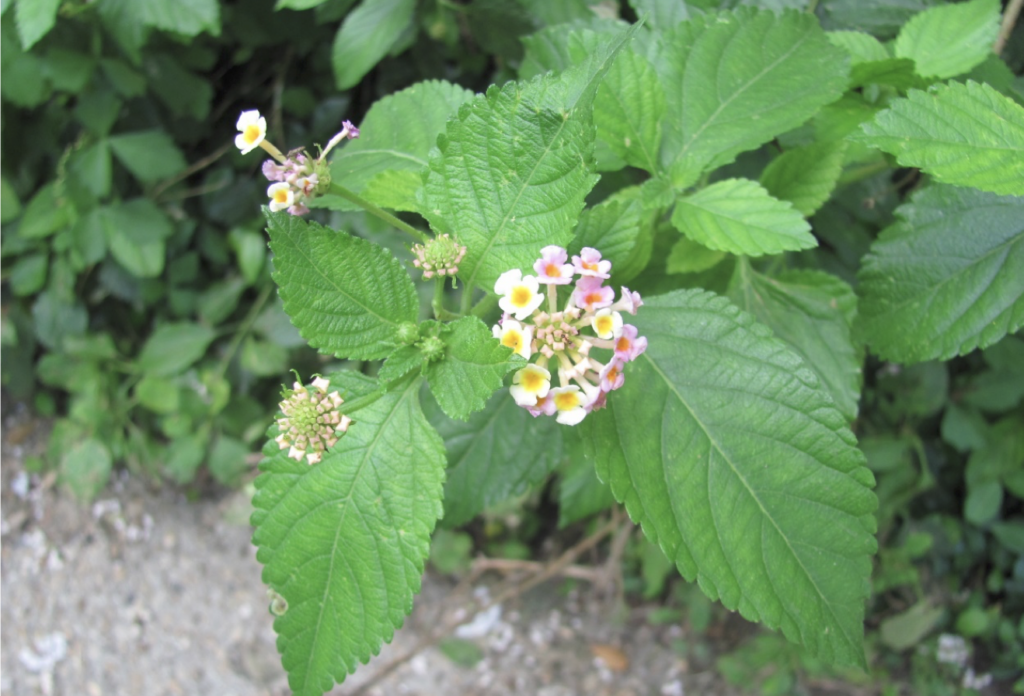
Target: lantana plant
{"x":718,"y":409}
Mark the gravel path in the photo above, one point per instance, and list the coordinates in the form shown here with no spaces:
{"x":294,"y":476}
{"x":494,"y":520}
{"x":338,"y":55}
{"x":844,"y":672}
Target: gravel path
{"x":144,"y":592}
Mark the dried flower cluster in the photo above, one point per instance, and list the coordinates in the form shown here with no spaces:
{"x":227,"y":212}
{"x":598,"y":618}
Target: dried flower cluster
{"x":311,"y":421}
{"x":555,"y":336}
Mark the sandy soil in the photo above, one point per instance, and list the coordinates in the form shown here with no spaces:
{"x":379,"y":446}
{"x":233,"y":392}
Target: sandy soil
{"x":144,"y":592}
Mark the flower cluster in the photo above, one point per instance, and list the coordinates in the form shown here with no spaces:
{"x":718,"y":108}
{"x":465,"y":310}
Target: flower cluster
{"x":297,"y":176}
{"x":439,"y":256}
{"x":311,"y":422}
{"x":555,"y":336}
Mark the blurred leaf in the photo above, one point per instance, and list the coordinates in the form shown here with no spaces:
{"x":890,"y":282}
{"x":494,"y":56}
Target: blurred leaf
{"x":149,"y":155}
{"x":183,"y":457}
{"x":135,"y":232}
{"x":909,"y":628}
{"x":125,"y":79}
{"x":171,"y":348}
{"x":949,"y":39}
{"x":450,"y":551}
{"x":263,"y":358}
{"x":10,"y":206}
{"x":580,"y":493}
{"x":972,"y":622}
{"x":220,"y":299}
{"x":366,"y":36}
{"x":228,"y":460}
{"x":963,"y":428}
{"x":250,"y":251}
{"x":805,"y":176}
{"x":35,"y":18}
{"x":85,"y":469}
{"x":45,"y":214}
{"x":690,"y":257}
{"x":983,"y":502}
{"x":158,"y":394}
{"x":68,"y":71}
{"x":28,"y":275}
{"x":54,"y":318}
{"x":91,"y":165}
{"x":464,"y":653}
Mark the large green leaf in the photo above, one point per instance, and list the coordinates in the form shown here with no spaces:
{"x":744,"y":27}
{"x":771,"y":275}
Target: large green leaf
{"x":946,"y":278}
{"x":512,"y":170}
{"x":628,"y":109}
{"x":805,"y":176}
{"x":135,"y":233}
{"x":949,"y":39}
{"x":174,"y":347}
{"x":390,"y":141}
{"x":35,"y":19}
{"x":813,"y":312}
{"x":366,"y":36}
{"x":347,"y":296}
{"x":963,"y":134}
{"x":343,"y":542}
{"x":739,"y":216}
{"x":471,"y":369}
{"x":725,"y":448}
{"x":497,"y":454}
{"x":736,"y":80}
{"x":149,"y":155}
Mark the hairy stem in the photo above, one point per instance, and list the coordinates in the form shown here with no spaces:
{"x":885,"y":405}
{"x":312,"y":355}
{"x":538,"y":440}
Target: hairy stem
{"x":1006,"y":28}
{"x":339,"y":190}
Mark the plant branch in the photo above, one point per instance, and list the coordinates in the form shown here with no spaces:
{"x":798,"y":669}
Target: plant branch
{"x":542,"y":573}
{"x":339,"y":190}
{"x":1006,"y":28}
{"x":196,"y":166}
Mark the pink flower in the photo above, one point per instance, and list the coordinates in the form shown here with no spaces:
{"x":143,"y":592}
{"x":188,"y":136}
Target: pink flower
{"x":589,"y":263}
{"x":298,"y":209}
{"x":551,"y":267}
{"x":591,"y":295}
{"x":628,"y":346}
{"x":628,"y":301}
{"x":611,"y":376}
{"x":543,"y":407}
{"x":273,"y":171}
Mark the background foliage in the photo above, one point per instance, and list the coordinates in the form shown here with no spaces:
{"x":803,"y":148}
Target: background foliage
{"x":139,"y":310}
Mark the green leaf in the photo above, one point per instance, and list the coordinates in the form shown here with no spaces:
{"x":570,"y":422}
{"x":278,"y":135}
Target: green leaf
{"x":512,"y":170}
{"x":227,"y":460}
{"x":347,"y":296}
{"x":725,"y":448}
{"x":91,"y":165}
{"x":391,"y":144}
{"x":661,"y":14}
{"x":400,"y":363}
{"x":628,"y":109}
{"x":472,"y":368}
{"x":691,"y":257}
{"x":135,"y":233}
{"x":951,"y":39}
{"x":344,"y":541}
{"x":158,"y":394}
{"x":264,"y":358}
{"x":805,"y":176}
{"x":905,"y":630}
{"x":69,"y":71}
{"x":85,"y":468}
{"x":813,"y":312}
{"x":872,"y":62}
{"x":611,"y":227}
{"x":250,"y":251}
{"x":10,"y":205}
{"x":149,"y":155}
{"x":367,"y":35}
{"x":735,"y":80}
{"x":45,"y":214}
{"x":739,"y":216}
{"x":183,"y":457}
{"x":28,"y":275}
{"x":498,"y":454}
{"x":394,"y":189}
{"x":963,"y":134}
{"x":298,"y":4}
{"x":186,"y":17}
{"x":930,"y":291}
{"x":580,"y":493}
{"x":174,"y":347}
{"x":35,"y":19}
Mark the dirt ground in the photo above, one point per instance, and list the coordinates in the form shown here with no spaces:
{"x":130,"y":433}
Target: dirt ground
{"x":144,"y":592}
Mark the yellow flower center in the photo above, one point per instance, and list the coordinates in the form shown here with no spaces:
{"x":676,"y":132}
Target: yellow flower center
{"x":604,"y":324}
{"x":613,"y":373}
{"x":622,"y":345}
{"x":592,"y":298}
{"x":512,"y":339}
{"x":532,"y":381}
{"x":567,"y":401}
{"x":251,"y":133}
{"x":553,"y":271}
{"x":521,"y":296}
{"x":281,"y":196}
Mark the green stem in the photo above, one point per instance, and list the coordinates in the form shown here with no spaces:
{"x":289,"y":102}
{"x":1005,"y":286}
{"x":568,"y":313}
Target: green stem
{"x":244,"y":329}
{"x":485,"y":306}
{"x":863,"y":172}
{"x":384,"y":215}
{"x":438,"y":301}
{"x":350,"y":406}
{"x":812,"y":5}
{"x":467,"y":298}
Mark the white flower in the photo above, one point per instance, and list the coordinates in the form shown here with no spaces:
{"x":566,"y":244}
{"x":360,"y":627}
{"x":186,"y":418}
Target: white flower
{"x":570,"y":404}
{"x":520,"y":296}
{"x":253,"y":129}
{"x":607,"y":324}
{"x":281,"y":196}
{"x":515,"y":336}
{"x":530,"y":384}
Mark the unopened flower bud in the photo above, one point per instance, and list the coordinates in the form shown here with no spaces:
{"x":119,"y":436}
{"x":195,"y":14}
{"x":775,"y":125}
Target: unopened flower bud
{"x":439,"y":256}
